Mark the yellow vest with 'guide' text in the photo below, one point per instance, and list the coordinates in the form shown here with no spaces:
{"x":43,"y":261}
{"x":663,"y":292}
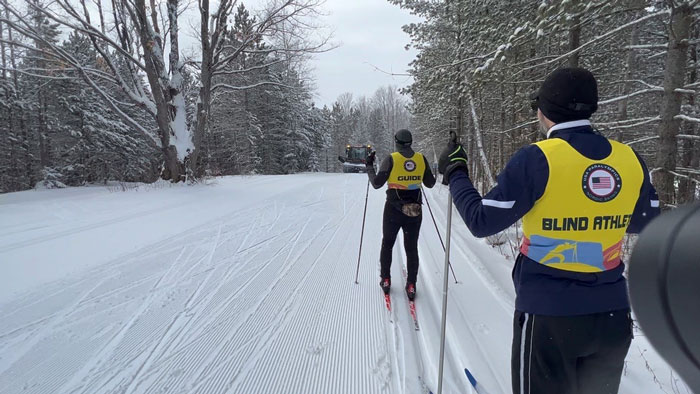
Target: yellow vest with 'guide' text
{"x":407,"y":172}
{"x":579,"y":222}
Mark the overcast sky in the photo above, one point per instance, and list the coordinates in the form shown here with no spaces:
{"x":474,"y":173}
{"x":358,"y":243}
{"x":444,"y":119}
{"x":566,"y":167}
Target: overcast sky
{"x":369,"y":34}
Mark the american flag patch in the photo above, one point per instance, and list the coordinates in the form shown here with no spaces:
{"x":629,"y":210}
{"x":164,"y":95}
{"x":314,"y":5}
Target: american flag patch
{"x":601,"y":182}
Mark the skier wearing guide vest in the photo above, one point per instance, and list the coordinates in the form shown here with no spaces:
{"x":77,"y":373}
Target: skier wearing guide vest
{"x":404,"y":171}
{"x":577,"y":193}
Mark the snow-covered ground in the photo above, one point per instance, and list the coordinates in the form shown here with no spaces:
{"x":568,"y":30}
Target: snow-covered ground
{"x":247,"y":286}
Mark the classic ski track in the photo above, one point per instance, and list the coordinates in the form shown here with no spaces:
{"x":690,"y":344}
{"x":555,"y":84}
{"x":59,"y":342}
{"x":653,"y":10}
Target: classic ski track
{"x":270,"y":336}
{"x":193,"y":357}
{"x":23,"y":306}
{"x":121,"y":333}
{"x":416,"y":335}
{"x":491,"y":285}
{"x":218,"y":308}
{"x":96,"y":361}
{"x":154,"y":358}
{"x":124,"y":262}
{"x":47,"y":329}
{"x":209,"y":323}
{"x":64,"y":233}
{"x":313,"y":354}
{"x":106,"y":222}
{"x":217,"y":318}
{"x":147,"y":362}
{"x":274,"y":329}
{"x":250,"y":313}
{"x":155,"y":294}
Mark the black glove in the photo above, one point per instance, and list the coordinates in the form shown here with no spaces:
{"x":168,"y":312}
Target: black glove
{"x":452,"y":157}
{"x":370,"y":159}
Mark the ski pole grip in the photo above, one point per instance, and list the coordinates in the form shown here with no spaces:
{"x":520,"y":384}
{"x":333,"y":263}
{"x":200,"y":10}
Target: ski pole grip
{"x":453,"y":137}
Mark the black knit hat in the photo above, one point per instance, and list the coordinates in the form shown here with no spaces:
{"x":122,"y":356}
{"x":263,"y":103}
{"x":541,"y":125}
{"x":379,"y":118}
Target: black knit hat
{"x":568,"y":94}
{"x":403,"y":137}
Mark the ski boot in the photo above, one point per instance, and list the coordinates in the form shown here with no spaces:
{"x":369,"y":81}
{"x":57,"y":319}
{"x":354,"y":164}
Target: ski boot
{"x":411,"y":291}
{"x":385,"y":284}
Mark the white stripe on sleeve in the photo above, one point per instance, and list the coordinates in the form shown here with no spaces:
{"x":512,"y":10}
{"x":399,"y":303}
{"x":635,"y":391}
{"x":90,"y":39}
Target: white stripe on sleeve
{"x":498,"y":204}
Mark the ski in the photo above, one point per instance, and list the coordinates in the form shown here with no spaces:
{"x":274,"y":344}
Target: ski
{"x":387,"y":302}
{"x":411,"y":303}
{"x":477,"y":387}
{"x":470,"y":377}
{"x":412,"y":309}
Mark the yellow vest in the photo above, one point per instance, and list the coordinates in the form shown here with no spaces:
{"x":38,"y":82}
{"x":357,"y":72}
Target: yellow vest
{"x":580,"y":220}
{"x":406,"y":173}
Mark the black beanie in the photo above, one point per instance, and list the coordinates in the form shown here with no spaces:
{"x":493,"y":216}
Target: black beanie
{"x":568,"y":94}
{"x":403,"y":137}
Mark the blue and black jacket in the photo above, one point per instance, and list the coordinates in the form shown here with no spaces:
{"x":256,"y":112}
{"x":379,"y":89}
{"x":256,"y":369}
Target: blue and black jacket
{"x":541,"y":289}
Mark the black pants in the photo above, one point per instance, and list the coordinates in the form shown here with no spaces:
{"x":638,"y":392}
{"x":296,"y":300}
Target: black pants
{"x":393,"y":221}
{"x":569,"y":354}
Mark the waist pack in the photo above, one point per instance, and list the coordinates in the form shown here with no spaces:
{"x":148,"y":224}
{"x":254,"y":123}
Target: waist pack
{"x":411,"y":210}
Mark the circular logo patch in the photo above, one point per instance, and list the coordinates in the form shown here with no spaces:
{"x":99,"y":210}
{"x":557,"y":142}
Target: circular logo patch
{"x":601,"y":183}
{"x":409,"y":165}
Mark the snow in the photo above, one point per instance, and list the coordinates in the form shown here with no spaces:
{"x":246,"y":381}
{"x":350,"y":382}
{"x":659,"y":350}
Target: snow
{"x":247,"y":285}
{"x":182,"y":138}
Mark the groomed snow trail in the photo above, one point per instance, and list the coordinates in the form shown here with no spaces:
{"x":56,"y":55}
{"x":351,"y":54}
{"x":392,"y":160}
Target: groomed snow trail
{"x":246,"y":286}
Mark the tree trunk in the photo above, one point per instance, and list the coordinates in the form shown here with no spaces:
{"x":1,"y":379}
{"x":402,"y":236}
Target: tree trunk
{"x":627,"y":86}
{"x":574,"y":38}
{"x":204,"y":102}
{"x":690,"y":155}
{"x":674,"y":76}
{"x":161,"y":89}
{"x":488,"y":176}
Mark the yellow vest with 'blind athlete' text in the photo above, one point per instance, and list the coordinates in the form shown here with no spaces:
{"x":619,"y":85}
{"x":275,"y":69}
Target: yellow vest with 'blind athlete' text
{"x":407,"y":172}
{"x":579,"y":222}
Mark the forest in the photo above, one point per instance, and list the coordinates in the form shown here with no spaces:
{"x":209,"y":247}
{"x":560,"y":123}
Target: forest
{"x":479,"y":61}
{"x":93,"y":91}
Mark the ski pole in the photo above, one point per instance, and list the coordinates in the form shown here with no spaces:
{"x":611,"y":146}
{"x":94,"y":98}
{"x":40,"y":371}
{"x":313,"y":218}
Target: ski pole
{"x":453,"y":138}
{"x":444,"y":294}
{"x":438,"y":231}
{"x":364,"y":214}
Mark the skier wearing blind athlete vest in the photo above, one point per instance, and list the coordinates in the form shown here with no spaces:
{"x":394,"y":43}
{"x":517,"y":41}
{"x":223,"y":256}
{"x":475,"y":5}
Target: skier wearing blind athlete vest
{"x":404,"y":171}
{"x":577,"y":193}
